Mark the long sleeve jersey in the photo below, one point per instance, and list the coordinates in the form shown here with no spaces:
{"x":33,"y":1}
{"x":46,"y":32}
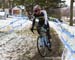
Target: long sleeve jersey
{"x":42,"y":17}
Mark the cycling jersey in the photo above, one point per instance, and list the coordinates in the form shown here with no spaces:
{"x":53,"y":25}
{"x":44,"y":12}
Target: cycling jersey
{"x":43,"y":19}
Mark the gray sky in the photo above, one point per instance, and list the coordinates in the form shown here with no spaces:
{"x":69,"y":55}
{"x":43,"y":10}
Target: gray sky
{"x":68,"y":2}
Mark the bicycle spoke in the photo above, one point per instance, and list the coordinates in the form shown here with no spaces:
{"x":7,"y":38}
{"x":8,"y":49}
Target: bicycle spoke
{"x":41,"y":47}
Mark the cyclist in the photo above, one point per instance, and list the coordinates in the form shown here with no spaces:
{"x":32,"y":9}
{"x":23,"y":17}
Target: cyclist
{"x":43,"y":20}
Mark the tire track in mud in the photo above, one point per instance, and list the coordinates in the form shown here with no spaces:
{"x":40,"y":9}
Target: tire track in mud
{"x":14,"y":45}
{"x":22,"y":46}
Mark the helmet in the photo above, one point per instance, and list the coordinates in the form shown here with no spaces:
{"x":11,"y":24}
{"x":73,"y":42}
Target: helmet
{"x":36,"y":8}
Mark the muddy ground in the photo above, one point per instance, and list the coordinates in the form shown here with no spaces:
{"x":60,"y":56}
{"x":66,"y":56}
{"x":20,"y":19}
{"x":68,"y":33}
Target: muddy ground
{"x":22,"y":45}
{"x":56,"y":52}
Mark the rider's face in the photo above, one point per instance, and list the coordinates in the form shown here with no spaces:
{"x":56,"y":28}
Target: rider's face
{"x":37,"y":11}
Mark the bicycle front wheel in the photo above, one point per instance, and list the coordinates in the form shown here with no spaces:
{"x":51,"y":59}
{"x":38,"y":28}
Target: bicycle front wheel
{"x":41,"y":46}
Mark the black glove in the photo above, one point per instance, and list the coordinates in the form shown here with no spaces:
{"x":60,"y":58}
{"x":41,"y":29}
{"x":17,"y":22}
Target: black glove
{"x":31,"y":29}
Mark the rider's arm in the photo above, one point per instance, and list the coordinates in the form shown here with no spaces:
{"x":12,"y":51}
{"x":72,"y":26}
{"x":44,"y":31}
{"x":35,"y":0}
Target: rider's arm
{"x":33,"y":23}
{"x":45,"y":16}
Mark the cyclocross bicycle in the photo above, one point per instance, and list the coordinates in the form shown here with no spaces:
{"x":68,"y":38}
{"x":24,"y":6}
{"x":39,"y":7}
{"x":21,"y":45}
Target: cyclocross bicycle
{"x":43,"y":44}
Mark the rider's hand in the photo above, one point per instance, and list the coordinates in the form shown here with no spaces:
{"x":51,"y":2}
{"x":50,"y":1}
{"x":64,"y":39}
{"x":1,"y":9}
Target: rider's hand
{"x":31,"y":29}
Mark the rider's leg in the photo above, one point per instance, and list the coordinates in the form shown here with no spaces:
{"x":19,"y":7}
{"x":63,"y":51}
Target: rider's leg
{"x":49,"y":36}
{"x":49,"y":39}
{"x":48,"y":31}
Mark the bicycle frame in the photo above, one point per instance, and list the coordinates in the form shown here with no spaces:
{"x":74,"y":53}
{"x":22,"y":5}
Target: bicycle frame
{"x":43,"y":32}
{"x":42,"y":42}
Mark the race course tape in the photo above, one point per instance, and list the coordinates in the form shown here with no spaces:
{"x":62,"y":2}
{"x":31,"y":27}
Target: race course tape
{"x":11,"y":24}
{"x":68,"y":44}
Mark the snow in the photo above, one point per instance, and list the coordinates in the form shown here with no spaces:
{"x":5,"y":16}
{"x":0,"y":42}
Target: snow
{"x":2,"y":13}
{"x":14,"y":46}
{"x":14,"y":23}
{"x":66,"y":34}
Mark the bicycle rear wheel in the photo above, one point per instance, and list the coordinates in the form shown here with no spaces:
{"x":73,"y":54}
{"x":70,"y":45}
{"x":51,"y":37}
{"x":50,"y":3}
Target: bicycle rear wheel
{"x":42,"y":49}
